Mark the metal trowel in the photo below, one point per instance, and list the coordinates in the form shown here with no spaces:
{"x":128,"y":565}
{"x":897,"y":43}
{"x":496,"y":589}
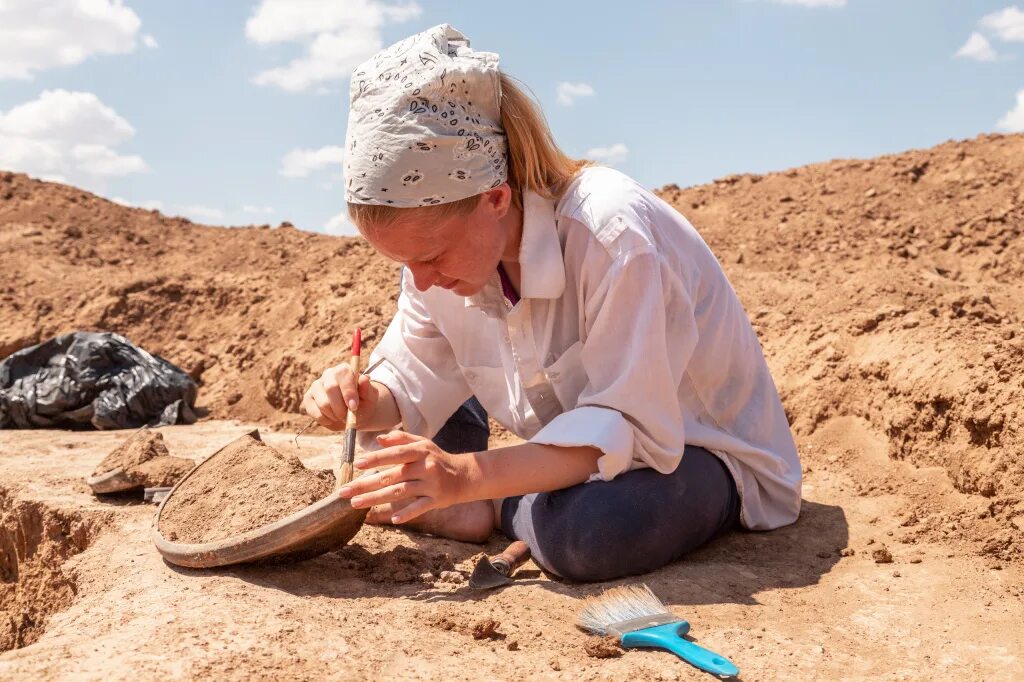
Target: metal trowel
{"x":495,"y":571}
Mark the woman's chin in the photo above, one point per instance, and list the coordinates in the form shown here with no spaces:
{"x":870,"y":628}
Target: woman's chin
{"x":466,"y":289}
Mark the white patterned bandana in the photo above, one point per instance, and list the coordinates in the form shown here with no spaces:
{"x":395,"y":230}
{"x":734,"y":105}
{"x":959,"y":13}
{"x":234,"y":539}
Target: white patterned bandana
{"x":424,"y":124}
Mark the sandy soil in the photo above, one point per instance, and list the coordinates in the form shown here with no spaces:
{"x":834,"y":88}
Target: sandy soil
{"x":779,"y":604}
{"x":885,"y":292}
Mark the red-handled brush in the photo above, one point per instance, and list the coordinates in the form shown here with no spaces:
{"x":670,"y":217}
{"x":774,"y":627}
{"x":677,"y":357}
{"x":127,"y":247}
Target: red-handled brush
{"x":344,"y":473}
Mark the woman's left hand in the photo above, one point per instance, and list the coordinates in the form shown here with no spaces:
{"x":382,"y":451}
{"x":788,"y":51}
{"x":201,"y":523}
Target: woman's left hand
{"x":417,"y":476}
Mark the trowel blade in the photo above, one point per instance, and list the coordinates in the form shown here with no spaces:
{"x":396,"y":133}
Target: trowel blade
{"x":485,"y":576}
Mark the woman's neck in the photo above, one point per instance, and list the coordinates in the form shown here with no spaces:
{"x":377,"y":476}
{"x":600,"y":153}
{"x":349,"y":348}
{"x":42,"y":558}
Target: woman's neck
{"x":512,"y":221}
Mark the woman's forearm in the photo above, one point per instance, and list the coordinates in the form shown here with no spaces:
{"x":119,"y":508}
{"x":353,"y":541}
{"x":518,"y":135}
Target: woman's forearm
{"x":385,"y":414}
{"x":527,"y":468}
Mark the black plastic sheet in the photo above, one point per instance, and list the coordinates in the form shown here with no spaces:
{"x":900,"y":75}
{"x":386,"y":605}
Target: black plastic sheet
{"x":88,"y":378}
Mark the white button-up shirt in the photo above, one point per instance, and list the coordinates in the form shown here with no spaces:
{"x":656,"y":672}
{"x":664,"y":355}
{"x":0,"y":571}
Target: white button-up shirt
{"x":628,"y":338}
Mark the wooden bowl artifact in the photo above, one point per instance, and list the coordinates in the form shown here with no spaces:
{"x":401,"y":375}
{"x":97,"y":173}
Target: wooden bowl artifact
{"x":325,"y":525}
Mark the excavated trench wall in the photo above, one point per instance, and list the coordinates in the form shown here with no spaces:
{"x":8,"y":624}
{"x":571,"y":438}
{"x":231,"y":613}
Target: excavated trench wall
{"x":35,"y":542}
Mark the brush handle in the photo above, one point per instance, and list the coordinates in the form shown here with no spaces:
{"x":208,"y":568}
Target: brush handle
{"x":669,"y":637}
{"x":344,"y":473}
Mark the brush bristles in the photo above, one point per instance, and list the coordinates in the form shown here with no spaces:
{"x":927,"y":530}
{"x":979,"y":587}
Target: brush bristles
{"x":617,"y":605}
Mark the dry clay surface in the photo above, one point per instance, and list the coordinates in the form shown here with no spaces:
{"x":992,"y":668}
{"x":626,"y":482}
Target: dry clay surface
{"x":395,"y":605}
{"x":885,"y":293}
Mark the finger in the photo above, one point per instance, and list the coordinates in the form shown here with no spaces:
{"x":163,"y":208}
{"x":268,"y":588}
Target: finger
{"x":375,"y":481}
{"x":322,"y":401}
{"x":399,"y":454}
{"x":349,"y":386}
{"x":333,"y":391}
{"x":398,"y":437}
{"x":364,"y":387}
{"x":411,"y":510}
{"x":309,"y":406}
{"x":406,"y":490}
{"x":322,"y":408}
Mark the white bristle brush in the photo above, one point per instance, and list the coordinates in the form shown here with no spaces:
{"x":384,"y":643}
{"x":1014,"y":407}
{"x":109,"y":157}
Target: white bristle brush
{"x":639,"y":619}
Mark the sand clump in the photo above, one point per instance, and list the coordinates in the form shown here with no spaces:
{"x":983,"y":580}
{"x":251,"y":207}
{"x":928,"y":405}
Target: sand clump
{"x":243,"y":486}
{"x":602,"y":647}
{"x":480,"y":629}
{"x":145,"y":460}
{"x":486,"y":628}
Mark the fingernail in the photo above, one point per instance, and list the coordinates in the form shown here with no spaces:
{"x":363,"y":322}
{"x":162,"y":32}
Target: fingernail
{"x":356,"y":502}
{"x":353,"y":405}
{"x":395,"y":519}
{"x":359,"y":463}
{"x":345,"y":491}
{"x":382,"y":437}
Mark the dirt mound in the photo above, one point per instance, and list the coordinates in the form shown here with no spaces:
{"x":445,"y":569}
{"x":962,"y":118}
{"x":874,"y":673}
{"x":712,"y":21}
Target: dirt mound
{"x":146,"y":461}
{"x":882,"y":289}
{"x":886,"y":289}
{"x":249,"y":314}
{"x":243,"y":486}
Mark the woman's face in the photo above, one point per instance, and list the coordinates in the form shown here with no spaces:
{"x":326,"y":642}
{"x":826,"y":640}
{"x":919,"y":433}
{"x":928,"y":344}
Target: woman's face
{"x":460,"y":253}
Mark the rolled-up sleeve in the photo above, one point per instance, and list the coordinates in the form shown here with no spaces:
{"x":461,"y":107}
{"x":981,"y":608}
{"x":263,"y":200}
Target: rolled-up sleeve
{"x":419,"y":369}
{"x":641,"y":332}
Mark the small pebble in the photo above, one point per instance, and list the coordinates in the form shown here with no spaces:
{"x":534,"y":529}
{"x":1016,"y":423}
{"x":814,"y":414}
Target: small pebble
{"x":882,"y":556}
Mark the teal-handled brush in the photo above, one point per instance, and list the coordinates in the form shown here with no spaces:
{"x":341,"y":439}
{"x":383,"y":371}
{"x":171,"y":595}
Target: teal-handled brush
{"x":639,"y":619}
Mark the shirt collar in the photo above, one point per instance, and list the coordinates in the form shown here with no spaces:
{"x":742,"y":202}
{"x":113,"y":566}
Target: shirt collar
{"x":540,"y":252}
{"x":542,"y":270}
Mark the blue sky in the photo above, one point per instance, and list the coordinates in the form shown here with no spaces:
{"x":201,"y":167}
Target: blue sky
{"x":233,"y":112}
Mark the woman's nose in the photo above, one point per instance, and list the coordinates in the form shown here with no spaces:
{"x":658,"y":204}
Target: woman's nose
{"x":423,"y":276}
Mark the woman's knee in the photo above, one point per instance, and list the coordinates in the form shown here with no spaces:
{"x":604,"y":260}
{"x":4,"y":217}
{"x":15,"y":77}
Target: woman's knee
{"x":595,"y":552}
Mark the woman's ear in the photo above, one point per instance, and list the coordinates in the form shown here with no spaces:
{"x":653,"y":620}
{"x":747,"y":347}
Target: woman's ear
{"x":499,"y":199}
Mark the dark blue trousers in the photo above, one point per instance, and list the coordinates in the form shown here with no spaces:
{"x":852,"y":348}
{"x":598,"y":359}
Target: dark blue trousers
{"x":634,"y":524}
{"x":604,"y":530}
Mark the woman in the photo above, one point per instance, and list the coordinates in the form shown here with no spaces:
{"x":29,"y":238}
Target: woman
{"x":585,"y":314}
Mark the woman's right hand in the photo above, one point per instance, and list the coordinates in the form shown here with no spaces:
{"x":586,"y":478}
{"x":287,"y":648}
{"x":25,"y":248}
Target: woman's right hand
{"x":328,"y":399}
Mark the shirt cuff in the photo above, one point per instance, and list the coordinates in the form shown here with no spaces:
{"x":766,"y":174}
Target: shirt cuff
{"x":598,"y":427}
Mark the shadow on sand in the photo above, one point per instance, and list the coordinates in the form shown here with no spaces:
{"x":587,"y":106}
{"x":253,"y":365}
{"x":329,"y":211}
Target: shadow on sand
{"x":732,"y":569}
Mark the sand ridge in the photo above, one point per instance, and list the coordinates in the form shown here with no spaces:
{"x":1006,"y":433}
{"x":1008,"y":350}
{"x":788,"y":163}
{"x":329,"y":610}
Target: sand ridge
{"x":885,"y":292}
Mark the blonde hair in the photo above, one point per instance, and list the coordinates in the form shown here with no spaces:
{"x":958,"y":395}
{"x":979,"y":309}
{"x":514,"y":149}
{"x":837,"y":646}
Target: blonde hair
{"x":535,"y":162}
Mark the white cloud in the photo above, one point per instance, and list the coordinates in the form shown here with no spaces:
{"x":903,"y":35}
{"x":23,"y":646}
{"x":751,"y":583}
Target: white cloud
{"x":299,"y":163}
{"x":201,"y":213}
{"x":1013,"y":122}
{"x":1007,"y":24}
{"x":811,"y":3}
{"x":151,"y":205}
{"x":67,"y":135}
{"x":337,"y":34}
{"x":265,"y":210}
{"x":978,"y":48}
{"x":610,"y":156}
{"x":568,"y":92}
{"x":71,"y":117}
{"x":43,"y":34}
{"x":340,"y":225}
{"x":100,"y":160}
{"x":149,"y":41}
